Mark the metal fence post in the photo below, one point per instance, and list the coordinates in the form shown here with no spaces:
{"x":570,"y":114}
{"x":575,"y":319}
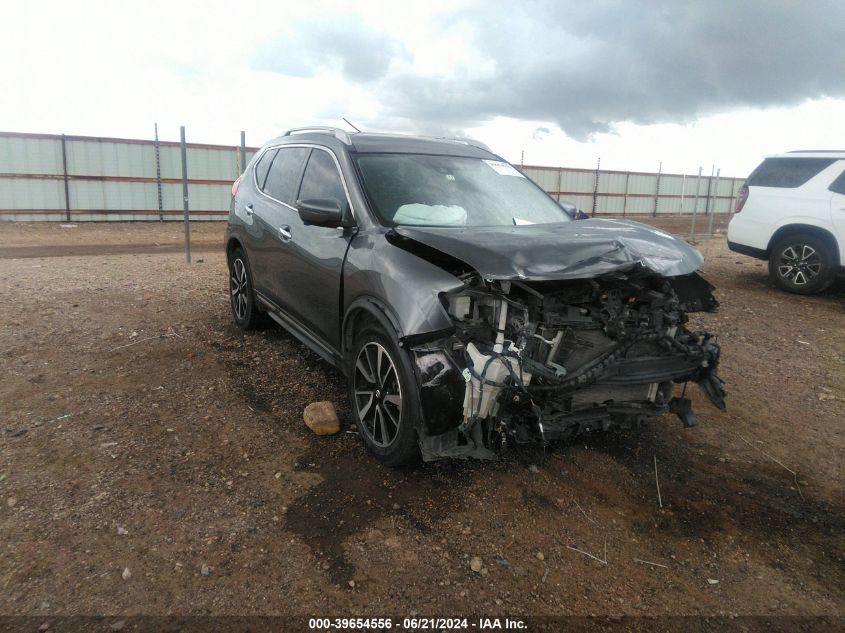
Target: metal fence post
{"x":695,"y":206}
{"x":559,"y":181}
{"x":625,"y":199}
{"x":596,"y":186}
{"x":709,"y":187}
{"x":683,"y":192}
{"x":64,"y":170}
{"x":657,"y":190}
{"x":243,"y":153}
{"x":185,"y":193}
{"x":158,"y":178}
{"x":715,"y":204}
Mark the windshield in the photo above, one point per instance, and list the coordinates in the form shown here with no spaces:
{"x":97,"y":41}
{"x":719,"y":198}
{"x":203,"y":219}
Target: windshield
{"x":424,"y":190}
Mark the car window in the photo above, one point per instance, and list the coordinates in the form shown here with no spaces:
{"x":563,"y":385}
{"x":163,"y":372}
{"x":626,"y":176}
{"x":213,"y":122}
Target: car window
{"x":787,"y":172}
{"x":838,"y":185}
{"x":321,"y":179}
{"x":426,"y":190}
{"x":263,"y":166}
{"x":283,"y":177}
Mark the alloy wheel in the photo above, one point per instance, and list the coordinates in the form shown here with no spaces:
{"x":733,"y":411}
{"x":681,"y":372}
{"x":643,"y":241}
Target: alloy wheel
{"x":799,"y":264}
{"x":239,"y":288}
{"x":378,"y":394}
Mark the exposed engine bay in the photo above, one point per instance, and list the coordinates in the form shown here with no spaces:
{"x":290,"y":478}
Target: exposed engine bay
{"x":530,"y":362}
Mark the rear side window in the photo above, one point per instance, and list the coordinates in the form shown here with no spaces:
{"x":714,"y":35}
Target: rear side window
{"x":283,"y":176}
{"x":787,"y":172}
{"x":838,"y":185}
{"x":321,"y":179}
{"x":263,"y":166}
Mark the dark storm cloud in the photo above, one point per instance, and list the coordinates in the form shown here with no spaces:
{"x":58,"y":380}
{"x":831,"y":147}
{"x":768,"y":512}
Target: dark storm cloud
{"x":588,"y":65}
{"x":362,"y":54}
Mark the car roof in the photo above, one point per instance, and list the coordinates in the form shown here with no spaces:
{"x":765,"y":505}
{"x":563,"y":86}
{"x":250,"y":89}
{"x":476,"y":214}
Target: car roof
{"x":404,"y":144}
{"x":811,"y":153}
{"x":371,"y":143}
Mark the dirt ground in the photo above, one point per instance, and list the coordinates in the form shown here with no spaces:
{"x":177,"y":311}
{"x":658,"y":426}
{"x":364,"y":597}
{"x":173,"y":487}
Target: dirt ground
{"x":153,"y":460}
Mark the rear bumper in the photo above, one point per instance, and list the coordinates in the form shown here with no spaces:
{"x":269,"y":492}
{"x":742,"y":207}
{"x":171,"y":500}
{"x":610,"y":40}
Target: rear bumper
{"x":751,"y":251}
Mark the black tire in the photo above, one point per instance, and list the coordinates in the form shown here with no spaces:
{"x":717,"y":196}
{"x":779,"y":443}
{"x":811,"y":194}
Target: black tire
{"x":802,"y":263}
{"x":389,"y":431}
{"x":245,"y":312}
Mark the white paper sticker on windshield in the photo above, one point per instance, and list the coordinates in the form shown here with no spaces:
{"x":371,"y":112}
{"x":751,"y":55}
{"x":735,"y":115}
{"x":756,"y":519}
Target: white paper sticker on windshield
{"x":503,"y":168}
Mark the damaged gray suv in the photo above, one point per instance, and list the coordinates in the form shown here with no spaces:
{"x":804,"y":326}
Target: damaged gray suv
{"x":467,"y":308}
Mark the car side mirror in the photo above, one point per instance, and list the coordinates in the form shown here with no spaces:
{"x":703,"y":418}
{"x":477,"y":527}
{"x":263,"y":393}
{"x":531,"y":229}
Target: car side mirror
{"x":321,"y":211}
{"x":572,"y":211}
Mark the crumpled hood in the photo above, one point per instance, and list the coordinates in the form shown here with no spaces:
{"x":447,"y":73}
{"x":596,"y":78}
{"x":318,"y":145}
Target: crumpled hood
{"x":571,"y":250}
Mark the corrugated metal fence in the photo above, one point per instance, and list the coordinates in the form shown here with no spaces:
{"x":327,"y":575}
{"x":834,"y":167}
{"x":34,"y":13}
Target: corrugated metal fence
{"x":83,"y":178}
{"x":636,"y":193}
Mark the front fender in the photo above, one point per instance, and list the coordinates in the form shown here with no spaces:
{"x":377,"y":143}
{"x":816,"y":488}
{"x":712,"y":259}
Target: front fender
{"x":402,"y":285}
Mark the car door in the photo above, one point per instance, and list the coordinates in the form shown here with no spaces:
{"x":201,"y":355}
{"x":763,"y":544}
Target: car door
{"x":251,"y":186}
{"x":272,"y":211}
{"x":315,"y":255}
{"x":837,"y":210}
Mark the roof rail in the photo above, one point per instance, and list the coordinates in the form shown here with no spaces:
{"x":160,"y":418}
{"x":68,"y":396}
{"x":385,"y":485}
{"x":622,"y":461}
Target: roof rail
{"x":341,"y":135}
{"x":816,"y":151}
{"x":468,"y":141}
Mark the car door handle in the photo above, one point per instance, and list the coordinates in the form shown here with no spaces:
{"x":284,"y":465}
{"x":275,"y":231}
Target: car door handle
{"x":285,"y":234}
{"x":249,"y":210}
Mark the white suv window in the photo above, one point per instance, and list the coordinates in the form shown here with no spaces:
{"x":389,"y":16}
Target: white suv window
{"x":787,"y":172}
{"x":838,"y":185}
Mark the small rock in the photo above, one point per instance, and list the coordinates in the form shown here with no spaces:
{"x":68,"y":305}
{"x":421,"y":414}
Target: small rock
{"x":11,"y":501}
{"x":395,"y":506}
{"x":533,"y":469}
{"x":540,"y":556}
{"x":475,"y":564}
{"x":278,"y":475}
{"x":498,"y":602}
{"x":126,"y":574}
{"x":121,"y":531}
{"x":205,"y":570}
{"x":352,"y":584}
{"x":712,"y":581}
{"x":117,"y":626}
{"x":321,"y":418}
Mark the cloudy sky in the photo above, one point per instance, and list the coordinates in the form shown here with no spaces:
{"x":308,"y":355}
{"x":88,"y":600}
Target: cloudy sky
{"x":565,"y":82}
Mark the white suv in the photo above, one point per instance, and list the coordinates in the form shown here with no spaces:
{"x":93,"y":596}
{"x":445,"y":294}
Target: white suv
{"x":793,"y":214}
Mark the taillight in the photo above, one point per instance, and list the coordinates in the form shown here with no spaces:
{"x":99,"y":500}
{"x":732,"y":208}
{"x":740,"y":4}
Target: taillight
{"x":741,"y":197}
{"x":235,"y":186}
